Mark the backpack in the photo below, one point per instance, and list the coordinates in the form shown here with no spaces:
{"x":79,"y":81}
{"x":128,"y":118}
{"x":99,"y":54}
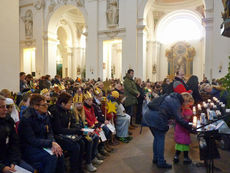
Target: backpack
{"x":170,"y":88}
{"x":156,"y":102}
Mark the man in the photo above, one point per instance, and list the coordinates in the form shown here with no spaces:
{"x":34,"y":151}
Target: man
{"x":131,"y":93}
{"x":179,"y":86}
{"x":9,"y":143}
{"x":64,"y":124}
{"x":38,"y":145}
{"x":56,"y":80}
{"x":23,"y":86}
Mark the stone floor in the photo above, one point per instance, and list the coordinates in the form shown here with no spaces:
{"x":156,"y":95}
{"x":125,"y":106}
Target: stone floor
{"x":136,"y":157}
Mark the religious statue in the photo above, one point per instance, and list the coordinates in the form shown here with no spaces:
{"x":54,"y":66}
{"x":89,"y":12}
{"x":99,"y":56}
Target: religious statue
{"x":28,"y":20}
{"x":80,"y":3}
{"x":226,"y":13}
{"x":112,"y":12}
{"x":180,"y":56}
{"x":39,"y":4}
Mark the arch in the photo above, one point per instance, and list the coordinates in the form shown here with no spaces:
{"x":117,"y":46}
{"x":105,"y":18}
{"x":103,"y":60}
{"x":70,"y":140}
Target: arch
{"x":55,"y":20}
{"x":189,"y":15}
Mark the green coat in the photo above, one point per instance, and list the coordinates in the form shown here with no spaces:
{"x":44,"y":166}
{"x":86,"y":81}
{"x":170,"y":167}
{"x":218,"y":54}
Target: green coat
{"x":131,"y":91}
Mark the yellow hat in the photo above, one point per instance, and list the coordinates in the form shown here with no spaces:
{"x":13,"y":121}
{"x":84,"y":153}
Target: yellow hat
{"x":44,"y":91}
{"x":78,"y":98}
{"x":97,"y":91}
{"x":61,"y":87}
{"x":115,"y":94}
{"x":87,"y":95}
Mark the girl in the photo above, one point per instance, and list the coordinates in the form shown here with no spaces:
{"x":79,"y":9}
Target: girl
{"x":182,"y":135}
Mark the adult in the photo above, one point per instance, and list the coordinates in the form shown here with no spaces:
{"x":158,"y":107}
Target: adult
{"x":140,"y":100}
{"x":131,"y":93}
{"x":64,"y":124}
{"x":157,"y":120}
{"x":23,"y":85}
{"x":193,"y":84}
{"x":10,"y":154}
{"x":38,"y":144}
{"x":56,"y":80}
{"x":179,"y":86}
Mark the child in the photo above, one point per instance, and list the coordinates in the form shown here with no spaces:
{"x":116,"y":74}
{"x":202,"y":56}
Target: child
{"x":182,"y":136}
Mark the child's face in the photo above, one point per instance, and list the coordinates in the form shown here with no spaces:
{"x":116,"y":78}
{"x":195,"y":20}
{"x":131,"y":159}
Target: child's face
{"x":9,"y":108}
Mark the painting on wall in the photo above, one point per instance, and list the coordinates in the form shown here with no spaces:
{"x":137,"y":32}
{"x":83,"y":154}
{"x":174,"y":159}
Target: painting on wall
{"x":180,"y":56}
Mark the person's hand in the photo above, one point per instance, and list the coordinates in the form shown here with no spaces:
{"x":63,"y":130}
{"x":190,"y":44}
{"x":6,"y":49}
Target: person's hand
{"x":138,"y":95}
{"x":8,"y":169}
{"x":56,"y":149}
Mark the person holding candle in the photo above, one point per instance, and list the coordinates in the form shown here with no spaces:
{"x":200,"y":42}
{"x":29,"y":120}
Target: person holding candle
{"x":182,"y":135}
{"x":156,"y":117}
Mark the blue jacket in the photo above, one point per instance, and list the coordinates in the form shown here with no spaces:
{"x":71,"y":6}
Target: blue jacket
{"x":170,"y":108}
{"x":35,"y":130}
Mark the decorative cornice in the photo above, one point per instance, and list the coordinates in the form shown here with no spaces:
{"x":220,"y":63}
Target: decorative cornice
{"x":26,"y":5}
{"x":112,"y":33}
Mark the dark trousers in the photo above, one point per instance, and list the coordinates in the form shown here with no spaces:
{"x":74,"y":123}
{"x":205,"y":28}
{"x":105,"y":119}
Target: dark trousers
{"x":74,"y":150}
{"x":22,"y":164}
{"x":43,"y":161}
{"x":130,"y":111}
{"x":158,"y":145}
{"x":139,"y":113}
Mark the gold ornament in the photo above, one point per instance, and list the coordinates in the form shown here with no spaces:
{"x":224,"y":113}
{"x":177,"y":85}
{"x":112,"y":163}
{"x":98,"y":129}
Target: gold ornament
{"x":78,"y":98}
{"x":111,"y":107}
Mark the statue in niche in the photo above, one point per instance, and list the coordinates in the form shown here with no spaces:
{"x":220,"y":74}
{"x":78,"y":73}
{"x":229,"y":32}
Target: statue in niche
{"x":28,"y":20}
{"x":80,"y":3}
{"x":39,"y":4}
{"x":112,"y":12}
{"x":226,"y":13}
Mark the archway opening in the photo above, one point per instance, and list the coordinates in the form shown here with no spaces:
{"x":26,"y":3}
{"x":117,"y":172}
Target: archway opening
{"x":66,"y":43}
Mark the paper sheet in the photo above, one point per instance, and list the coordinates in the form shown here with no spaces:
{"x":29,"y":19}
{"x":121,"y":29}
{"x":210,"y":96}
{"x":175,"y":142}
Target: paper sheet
{"x":111,"y":128}
{"x":102,"y":136}
{"x":88,"y":130}
{"x":48,"y":151}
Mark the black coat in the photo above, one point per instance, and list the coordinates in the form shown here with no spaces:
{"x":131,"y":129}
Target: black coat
{"x":9,"y":143}
{"x":35,"y":130}
{"x":64,"y":121}
{"x":141,"y":98}
{"x":98,"y":113}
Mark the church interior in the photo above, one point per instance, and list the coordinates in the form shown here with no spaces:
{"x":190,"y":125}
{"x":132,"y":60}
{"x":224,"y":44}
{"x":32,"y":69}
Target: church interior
{"x":93,"y":42}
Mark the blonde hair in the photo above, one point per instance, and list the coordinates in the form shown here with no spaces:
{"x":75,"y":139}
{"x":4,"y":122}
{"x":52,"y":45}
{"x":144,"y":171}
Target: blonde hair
{"x":79,"y":113}
{"x":188,"y":99}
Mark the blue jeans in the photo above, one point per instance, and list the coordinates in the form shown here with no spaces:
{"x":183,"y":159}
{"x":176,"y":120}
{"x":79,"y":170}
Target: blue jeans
{"x":43,"y":161}
{"x":158,"y":145}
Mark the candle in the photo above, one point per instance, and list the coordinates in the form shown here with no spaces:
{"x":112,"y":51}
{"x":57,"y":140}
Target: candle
{"x":214,"y":98}
{"x":204,"y":105}
{"x":194,"y":122}
{"x":199,"y":107}
{"x":209,"y":100}
{"x":194,"y":110}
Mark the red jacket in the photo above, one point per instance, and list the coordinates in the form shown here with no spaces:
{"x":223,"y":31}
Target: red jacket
{"x":90,"y":116}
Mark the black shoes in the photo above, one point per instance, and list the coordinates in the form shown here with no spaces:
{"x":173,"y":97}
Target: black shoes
{"x":175,"y":159}
{"x":164,"y":165}
{"x":187,"y":161}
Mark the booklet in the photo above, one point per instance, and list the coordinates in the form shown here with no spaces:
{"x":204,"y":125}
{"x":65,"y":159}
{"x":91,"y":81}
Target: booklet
{"x":20,"y":169}
{"x":111,"y":128}
{"x":102,"y":136}
{"x":87,"y":130}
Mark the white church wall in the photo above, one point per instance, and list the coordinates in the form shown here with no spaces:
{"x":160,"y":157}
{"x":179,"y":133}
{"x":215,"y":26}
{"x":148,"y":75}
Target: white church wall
{"x":9,"y":45}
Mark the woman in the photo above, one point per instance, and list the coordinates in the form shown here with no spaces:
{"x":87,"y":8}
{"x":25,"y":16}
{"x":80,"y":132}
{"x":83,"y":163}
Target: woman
{"x":157,"y":119}
{"x":193,"y":85}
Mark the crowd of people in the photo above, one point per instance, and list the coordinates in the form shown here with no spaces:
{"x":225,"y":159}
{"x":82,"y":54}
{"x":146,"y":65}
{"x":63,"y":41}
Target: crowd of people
{"x":51,"y":120}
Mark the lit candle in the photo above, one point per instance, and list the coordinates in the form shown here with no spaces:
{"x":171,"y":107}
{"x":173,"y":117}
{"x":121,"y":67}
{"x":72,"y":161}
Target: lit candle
{"x":214,"y":98}
{"x":204,"y":105}
{"x":194,"y":110}
{"x":209,"y":100}
{"x":199,"y":107}
{"x":194,"y":122}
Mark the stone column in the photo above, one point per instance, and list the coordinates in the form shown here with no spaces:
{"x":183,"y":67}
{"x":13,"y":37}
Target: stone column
{"x":208,"y":24}
{"x":50,"y":49}
{"x":141,"y":52}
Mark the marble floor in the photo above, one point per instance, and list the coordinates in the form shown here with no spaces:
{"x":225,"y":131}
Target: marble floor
{"x":136,"y":157}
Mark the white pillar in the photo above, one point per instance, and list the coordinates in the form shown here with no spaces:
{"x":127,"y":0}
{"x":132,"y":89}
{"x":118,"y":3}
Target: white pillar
{"x":141,"y":53}
{"x":208,"y":22}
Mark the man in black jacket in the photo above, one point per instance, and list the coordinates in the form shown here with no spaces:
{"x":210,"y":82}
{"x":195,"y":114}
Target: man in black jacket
{"x":66,"y":131}
{"x":38,"y":145}
{"x":9,"y":142}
